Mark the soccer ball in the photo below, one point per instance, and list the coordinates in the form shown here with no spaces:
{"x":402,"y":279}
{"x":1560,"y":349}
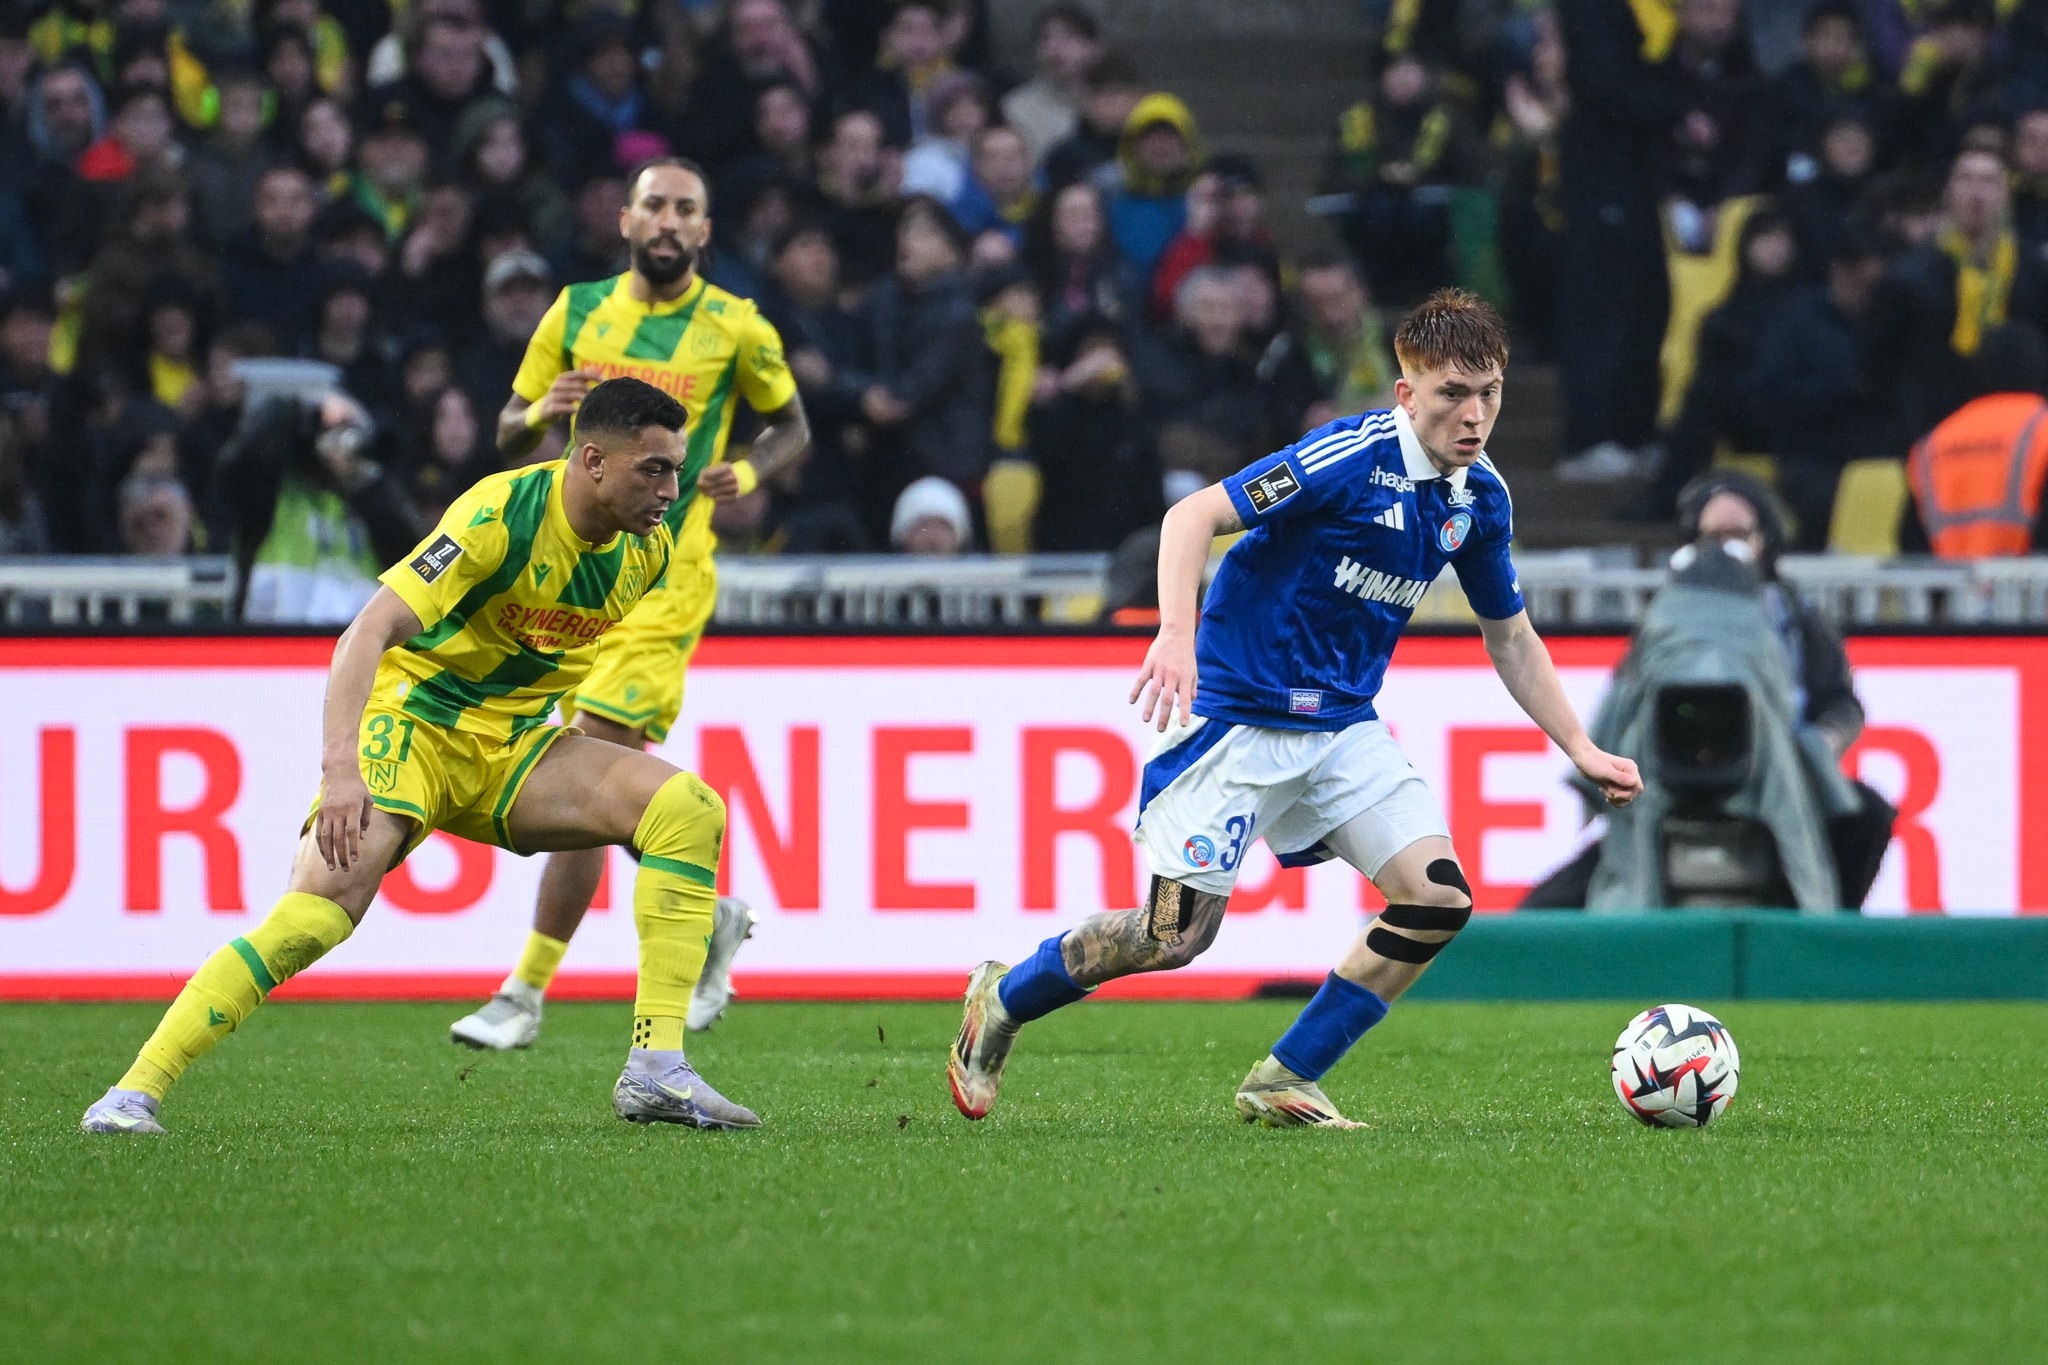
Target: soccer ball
{"x":1675,"y":1067}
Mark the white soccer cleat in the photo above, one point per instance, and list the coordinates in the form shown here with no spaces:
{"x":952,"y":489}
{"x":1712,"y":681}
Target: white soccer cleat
{"x":732,"y":923}
{"x":121,"y":1111}
{"x":510,"y":1019}
{"x":1276,"y":1097}
{"x":975,"y":1067}
{"x":677,"y":1095}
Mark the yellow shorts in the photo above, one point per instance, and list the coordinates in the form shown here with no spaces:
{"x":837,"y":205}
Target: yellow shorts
{"x":637,"y":680}
{"x":445,"y":779}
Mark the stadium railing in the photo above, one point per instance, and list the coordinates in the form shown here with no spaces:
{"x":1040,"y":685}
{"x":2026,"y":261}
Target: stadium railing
{"x":1591,"y":588}
{"x":63,"y":590}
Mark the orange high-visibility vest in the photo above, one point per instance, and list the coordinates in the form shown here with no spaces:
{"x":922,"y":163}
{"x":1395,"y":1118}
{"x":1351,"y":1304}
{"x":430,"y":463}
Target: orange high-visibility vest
{"x":1977,"y":476}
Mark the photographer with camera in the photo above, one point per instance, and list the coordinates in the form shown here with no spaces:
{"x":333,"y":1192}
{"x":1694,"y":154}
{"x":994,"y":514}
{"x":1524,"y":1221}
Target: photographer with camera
{"x":310,"y":511}
{"x":1736,"y":697}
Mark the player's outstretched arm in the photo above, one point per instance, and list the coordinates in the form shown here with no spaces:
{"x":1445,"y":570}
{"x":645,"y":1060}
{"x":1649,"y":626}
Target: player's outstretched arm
{"x":344,"y":814}
{"x":1167,"y":680}
{"x":1523,"y":663}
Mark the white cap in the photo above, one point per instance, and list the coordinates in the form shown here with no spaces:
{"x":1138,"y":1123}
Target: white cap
{"x":930,"y":497}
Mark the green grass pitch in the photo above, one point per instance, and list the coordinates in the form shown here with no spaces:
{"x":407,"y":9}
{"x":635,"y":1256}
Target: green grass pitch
{"x":342,"y":1184}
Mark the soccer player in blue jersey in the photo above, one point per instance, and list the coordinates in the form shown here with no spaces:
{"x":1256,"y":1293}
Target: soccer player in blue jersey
{"x":1347,"y":528}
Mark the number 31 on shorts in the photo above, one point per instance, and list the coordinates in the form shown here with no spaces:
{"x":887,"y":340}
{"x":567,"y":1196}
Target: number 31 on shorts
{"x":1239,"y":828}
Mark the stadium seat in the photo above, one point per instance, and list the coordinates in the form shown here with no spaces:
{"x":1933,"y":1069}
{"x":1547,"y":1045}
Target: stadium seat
{"x":1756,"y":464}
{"x":1699,"y":285}
{"x":1009,"y":498}
{"x":1868,"y":504}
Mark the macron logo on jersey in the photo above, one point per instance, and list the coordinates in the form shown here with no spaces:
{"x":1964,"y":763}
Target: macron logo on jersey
{"x":1374,"y":586}
{"x":1391,"y":519}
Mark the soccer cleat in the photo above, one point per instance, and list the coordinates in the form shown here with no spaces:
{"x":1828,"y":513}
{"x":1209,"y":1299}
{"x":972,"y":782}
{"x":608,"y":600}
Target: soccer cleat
{"x":678,"y":1095}
{"x":509,"y":1019}
{"x":1278,"y":1098}
{"x":975,"y":1068}
{"x":121,"y":1111}
{"x":732,"y":923}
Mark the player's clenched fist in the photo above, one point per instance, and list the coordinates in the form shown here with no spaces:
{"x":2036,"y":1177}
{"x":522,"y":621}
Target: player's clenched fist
{"x":1616,"y":777}
{"x":564,"y":396}
{"x":1168,"y":679}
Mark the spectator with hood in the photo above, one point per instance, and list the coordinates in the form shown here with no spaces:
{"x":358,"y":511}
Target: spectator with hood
{"x":1145,"y":188}
{"x":1833,"y":79}
{"x":66,"y":114}
{"x":496,"y":160}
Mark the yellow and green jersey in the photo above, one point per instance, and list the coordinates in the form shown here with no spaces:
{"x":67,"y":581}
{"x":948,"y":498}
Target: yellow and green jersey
{"x":698,"y":349}
{"x":512,"y":603}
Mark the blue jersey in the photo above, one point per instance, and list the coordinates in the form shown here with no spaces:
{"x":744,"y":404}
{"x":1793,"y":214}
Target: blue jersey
{"x":1348,"y":528}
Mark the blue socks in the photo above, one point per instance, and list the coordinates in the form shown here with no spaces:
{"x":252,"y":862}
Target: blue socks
{"x":1338,"y":1017}
{"x":1039,"y":984}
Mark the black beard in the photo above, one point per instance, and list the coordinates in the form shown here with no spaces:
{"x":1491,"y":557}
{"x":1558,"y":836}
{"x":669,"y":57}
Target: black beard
{"x":664,"y":272}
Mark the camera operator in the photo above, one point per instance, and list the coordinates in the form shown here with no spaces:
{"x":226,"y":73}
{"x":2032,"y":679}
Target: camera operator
{"x":311,"y":513}
{"x":1731,"y":516}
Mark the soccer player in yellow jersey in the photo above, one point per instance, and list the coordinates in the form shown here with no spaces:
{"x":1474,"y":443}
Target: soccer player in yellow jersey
{"x":663,"y":323}
{"x":438,"y":716}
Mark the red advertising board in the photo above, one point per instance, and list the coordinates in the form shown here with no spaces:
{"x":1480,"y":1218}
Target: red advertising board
{"x":901,"y":808}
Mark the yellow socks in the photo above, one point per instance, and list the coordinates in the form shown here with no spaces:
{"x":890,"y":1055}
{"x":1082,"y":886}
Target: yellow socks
{"x":673,"y":898}
{"x":538,"y":964}
{"x":299,"y":931}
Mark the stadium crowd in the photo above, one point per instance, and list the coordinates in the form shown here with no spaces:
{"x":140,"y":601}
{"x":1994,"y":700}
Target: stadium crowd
{"x":1027,"y":310}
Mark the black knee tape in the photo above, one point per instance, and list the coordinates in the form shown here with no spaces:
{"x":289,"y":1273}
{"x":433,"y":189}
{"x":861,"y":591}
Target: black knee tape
{"x":1400,"y":947}
{"x":1444,"y":872}
{"x":1166,"y":910}
{"x":1444,"y":918}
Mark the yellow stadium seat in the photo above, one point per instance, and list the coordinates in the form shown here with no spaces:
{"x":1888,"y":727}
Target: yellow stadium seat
{"x":1753,"y":463}
{"x":1009,"y":498}
{"x":1868,"y":504}
{"x":1699,"y":285}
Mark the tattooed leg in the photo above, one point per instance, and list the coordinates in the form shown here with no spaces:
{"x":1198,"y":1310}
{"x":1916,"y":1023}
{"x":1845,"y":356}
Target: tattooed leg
{"x":1175,"y":926}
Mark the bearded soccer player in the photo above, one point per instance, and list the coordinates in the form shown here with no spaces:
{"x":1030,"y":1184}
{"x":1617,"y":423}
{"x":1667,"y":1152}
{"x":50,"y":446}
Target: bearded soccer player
{"x":437,"y":717}
{"x":1346,"y":529}
{"x":661,"y":322}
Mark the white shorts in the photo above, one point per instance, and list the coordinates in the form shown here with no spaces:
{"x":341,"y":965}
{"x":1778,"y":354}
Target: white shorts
{"x":1210,"y":788}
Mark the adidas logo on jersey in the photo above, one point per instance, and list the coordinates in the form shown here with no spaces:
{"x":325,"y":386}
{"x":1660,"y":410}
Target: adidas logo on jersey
{"x":1392,"y":519}
{"x":1374,"y":586}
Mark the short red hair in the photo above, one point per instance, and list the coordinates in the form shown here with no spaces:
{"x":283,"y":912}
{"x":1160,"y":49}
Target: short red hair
{"x":1453,"y":327}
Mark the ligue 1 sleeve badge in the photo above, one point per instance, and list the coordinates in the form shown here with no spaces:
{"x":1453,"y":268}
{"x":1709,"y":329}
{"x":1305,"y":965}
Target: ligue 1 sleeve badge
{"x":1453,"y":532}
